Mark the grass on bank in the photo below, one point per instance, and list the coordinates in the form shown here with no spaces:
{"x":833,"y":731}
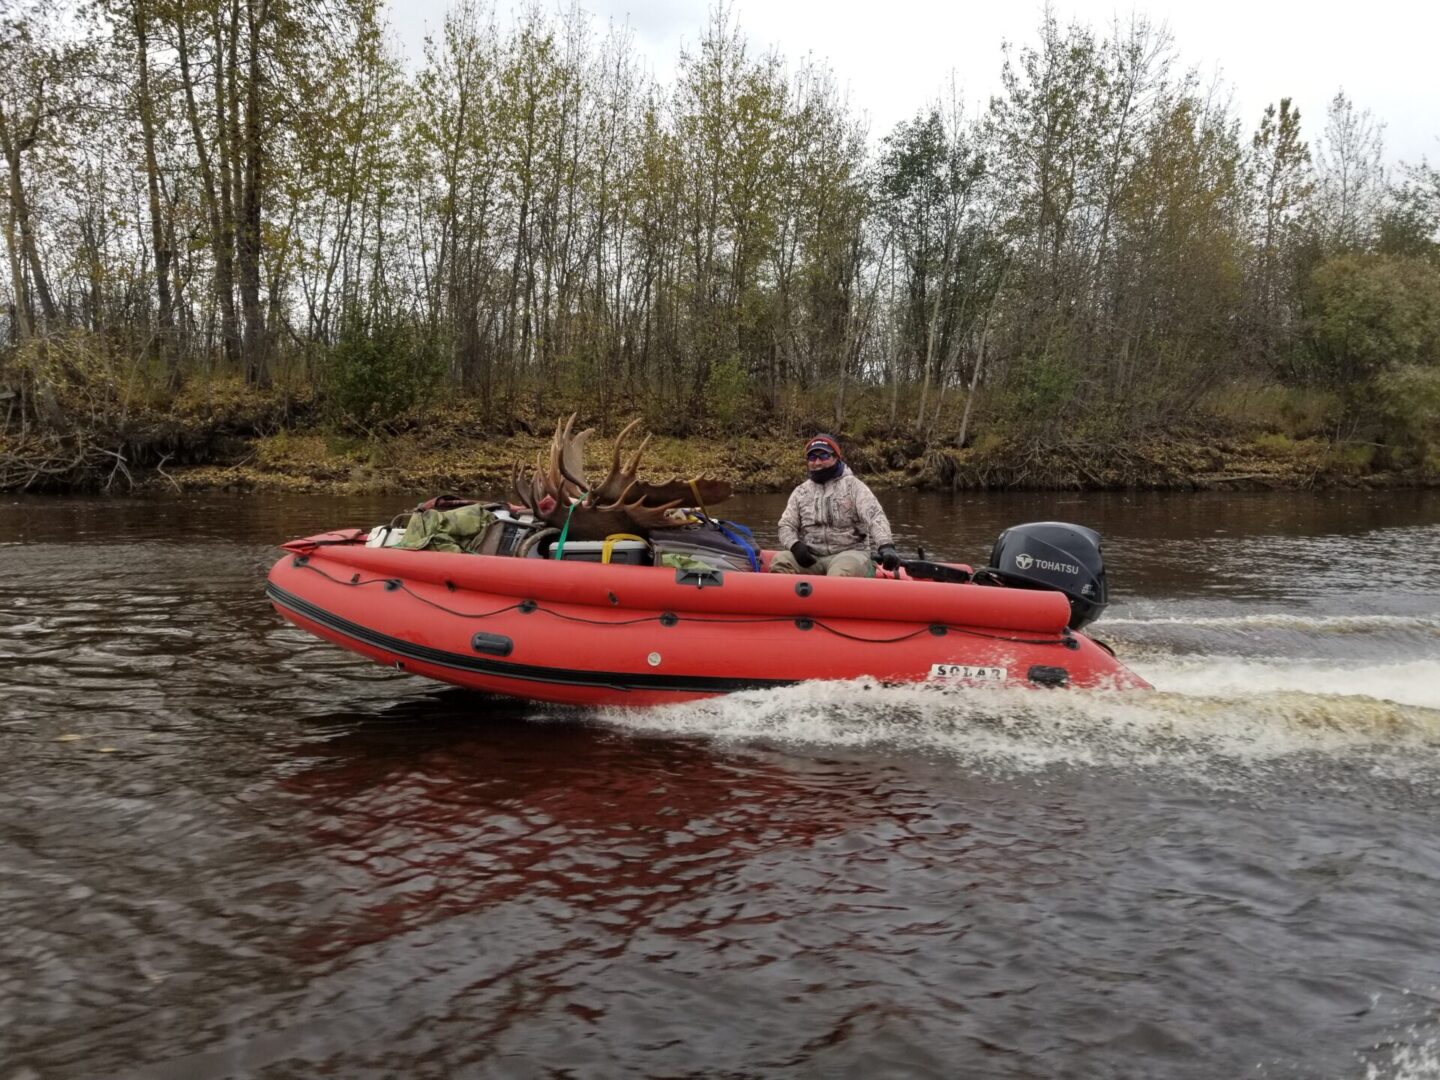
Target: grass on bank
{"x":78,"y":408}
{"x":1273,"y":437}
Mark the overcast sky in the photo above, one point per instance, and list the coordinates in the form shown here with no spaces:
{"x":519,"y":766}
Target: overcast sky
{"x":892,"y":55}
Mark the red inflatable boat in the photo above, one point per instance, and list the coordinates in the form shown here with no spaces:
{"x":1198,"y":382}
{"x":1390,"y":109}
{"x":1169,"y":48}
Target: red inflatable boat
{"x":592,"y":634}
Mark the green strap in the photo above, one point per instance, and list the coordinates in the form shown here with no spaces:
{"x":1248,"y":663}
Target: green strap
{"x":560,"y":544}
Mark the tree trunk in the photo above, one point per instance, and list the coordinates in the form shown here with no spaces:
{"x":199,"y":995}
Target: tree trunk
{"x":24,"y":324}
{"x":257,"y":370}
{"x":227,"y":126}
{"x":163,"y":343}
{"x":14,"y":144}
{"x":221,"y":235}
{"x":980,"y":358}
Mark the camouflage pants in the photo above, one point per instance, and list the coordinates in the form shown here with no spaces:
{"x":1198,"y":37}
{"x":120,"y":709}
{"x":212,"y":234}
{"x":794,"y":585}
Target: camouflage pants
{"x":852,"y":563}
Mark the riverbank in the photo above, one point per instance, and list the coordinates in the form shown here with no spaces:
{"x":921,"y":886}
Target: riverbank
{"x":452,"y":458}
{"x":248,"y":443}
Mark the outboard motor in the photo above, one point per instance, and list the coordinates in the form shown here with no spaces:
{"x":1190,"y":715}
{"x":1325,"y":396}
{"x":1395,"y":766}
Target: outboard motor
{"x":1054,"y":555}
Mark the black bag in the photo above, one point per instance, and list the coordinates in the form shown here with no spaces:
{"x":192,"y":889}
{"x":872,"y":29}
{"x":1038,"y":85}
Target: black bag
{"x":721,"y":544}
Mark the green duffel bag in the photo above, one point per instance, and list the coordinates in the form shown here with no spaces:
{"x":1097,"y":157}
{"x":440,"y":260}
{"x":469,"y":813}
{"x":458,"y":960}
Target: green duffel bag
{"x":462,"y":529}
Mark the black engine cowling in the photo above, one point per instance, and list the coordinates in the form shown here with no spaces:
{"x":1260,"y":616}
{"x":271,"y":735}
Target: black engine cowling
{"x":1054,"y":555}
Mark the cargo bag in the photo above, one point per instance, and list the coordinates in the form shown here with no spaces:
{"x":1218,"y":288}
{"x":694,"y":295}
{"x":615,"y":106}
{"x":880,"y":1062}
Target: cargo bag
{"x":721,"y":545}
{"x":448,"y":523}
{"x":461,"y":529}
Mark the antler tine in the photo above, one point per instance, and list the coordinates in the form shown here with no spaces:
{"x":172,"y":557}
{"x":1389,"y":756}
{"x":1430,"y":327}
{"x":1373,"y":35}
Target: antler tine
{"x":525,"y":482}
{"x":650,"y":517}
{"x":616,"y":480}
{"x":637,"y":505}
{"x":620,"y":441}
{"x":516,"y":472}
{"x":575,"y":486}
{"x":572,"y":462}
{"x":634,"y":465}
{"x":566,"y":474}
{"x":619,"y":503}
{"x":555,"y":474}
{"x":562,"y":432}
{"x":541,"y":477}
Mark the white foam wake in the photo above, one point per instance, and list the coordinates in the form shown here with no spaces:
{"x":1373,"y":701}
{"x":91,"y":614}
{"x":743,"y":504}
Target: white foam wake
{"x":1027,"y":729}
{"x":1419,"y":1061}
{"x":1309,"y":624}
{"x":1409,"y":682}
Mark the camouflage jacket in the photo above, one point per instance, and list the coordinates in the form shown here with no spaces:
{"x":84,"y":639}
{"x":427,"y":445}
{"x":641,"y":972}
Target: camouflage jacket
{"x":842,"y":515}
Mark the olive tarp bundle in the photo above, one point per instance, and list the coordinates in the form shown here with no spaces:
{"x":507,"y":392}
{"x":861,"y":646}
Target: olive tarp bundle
{"x":462,"y":529}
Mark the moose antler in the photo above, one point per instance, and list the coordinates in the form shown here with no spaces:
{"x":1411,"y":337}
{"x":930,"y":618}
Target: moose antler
{"x":567,"y":461}
{"x":618,"y":481}
{"x":619,"y":503}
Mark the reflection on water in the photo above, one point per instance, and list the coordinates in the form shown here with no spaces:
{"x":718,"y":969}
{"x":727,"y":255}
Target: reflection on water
{"x":231,"y":850}
{"x":554,"y":815}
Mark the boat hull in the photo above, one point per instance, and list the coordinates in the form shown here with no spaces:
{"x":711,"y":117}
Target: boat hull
{"x":587,"y":634}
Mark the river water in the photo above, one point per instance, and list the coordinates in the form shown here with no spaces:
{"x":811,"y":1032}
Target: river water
{"x":228,"y":849}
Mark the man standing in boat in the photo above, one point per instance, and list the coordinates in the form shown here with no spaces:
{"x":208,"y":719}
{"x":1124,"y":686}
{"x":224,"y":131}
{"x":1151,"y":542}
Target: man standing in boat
{"x":832,"y":520}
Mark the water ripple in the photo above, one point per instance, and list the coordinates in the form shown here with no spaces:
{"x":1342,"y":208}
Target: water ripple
{"x":232,"y":850}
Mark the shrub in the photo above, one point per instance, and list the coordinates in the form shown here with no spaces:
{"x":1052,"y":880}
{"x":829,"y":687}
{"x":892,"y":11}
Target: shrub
{"x":378,"y":373}
{"x":1300,"y":412}
{"x":990,"y":444}
{"x":1047,"y":389}
{"x":1367,"y":313}
{"x":727,"y":393}
{"x":1275,"y":445}
{"x":1354,"y":458}
{"x":1408,"y":399}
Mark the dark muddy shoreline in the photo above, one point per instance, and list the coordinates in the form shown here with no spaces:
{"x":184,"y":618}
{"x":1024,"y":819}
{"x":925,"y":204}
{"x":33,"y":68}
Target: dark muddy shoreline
{"x":317,"y":462}
{"x":1184,"y":467}
{"x":286,"y":446}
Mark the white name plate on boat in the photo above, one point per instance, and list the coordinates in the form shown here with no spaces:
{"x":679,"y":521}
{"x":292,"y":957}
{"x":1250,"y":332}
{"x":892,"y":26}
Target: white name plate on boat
{"x":968,"y":672}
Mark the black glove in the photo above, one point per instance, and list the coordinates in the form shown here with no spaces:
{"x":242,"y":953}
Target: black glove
{"x":889,"y":557}
{"x":803,"y":555}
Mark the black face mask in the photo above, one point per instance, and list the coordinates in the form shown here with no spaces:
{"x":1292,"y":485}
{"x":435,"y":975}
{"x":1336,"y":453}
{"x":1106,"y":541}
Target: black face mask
{"x":825,"y":475}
